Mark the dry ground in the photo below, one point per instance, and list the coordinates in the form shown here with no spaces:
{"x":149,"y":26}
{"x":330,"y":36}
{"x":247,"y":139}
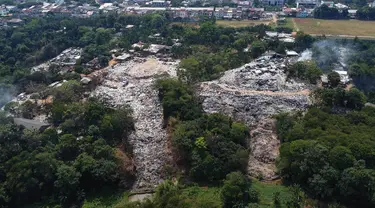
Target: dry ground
{"x":336,"y":27}
{"x":241,"y":23}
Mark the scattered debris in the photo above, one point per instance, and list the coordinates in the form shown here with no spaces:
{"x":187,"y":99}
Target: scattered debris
{"x":86,"y":80}
{"x":66,"y":58}
{"x":156,"y":48}
{"x":131,"y":82}
{"x":252,"y":94}
{"x":123,"y":57}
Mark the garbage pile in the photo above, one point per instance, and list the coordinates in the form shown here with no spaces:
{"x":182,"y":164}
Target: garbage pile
{"x":66,"y":58}
{"x":252,"y":94}
{"x":131,"y":83}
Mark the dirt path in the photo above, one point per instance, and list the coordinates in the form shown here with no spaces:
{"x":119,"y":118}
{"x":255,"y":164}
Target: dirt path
{"x":278,"y":93}
{"x":345,"y":36}
{"x":274,"y":18}
{"x":295,"y":25}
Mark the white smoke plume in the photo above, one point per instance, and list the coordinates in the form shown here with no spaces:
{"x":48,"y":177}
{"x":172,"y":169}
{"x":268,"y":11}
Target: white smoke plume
{"x":6,"y":95}
{"x":329,"y":54}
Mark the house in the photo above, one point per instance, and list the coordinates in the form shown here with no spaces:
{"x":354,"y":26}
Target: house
{"x":245,"y":3}
{"x":160,"y":3}
{"x":123,"y":57}
{"x":344,"y":77}
{"x":31,"y":124}
{"x":302,"y":14}
{"x":291,"y":53}
{"x":307,"y":3}
{"x":3,"y":11}
{"x":288,"y":40}
{"x":341,"y":6}
{"x":273,"y":2}
{"x":352,"y":13}
{"x":330,"y":4}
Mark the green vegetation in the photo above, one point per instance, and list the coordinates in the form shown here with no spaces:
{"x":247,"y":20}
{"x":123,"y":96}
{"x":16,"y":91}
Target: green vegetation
{"x":211,"y":146}
{"x":329,"y":151}
{"x":75,"y":156}
{"x":268,"y":192}
{"x":306,"y":71}
{"x":331,"y":155}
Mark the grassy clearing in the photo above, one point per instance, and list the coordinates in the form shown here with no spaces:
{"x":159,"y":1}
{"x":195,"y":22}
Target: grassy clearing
{"x":267,"y":191}
{"x":107,"y":200}
{"x":196,"y":196}
{"x":288,"y":23}
{"x":241,"y":23}
{"x":336,"y":27}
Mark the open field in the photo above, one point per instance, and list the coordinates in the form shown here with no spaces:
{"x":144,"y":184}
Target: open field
{"x":288,"y":23}
{"x":267,"y":191}
{"x":241,"y":23}
{"x":335,"y":27}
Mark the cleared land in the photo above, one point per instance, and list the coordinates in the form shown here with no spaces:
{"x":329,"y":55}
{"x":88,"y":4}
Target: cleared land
{"x":336,"y":27}
{"x":241,"y":23}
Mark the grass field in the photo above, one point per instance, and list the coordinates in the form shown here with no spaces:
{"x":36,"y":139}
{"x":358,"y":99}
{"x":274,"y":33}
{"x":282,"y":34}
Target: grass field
{"x":209,"y":194}
{"x":267,"y":191}
{"x":288,"y":23}
{"x":241,"y":23}
{"x":336,"y":27}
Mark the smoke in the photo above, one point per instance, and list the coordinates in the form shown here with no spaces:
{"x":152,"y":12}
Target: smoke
{"x":6,"y":95}
{"x":305,"y":55}
{"x":329,"y":54}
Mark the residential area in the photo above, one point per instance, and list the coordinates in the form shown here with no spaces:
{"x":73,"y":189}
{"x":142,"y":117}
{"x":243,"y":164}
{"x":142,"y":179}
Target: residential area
{"x":191,"y":10}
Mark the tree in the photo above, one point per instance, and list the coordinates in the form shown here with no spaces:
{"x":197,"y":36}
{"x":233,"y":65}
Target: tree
{"x":235,"y":190}
{"x":257,"y":48}
{"x":303,"y":41}
{"x":341,"y":157}
{"x":355,"y":99}
{"x":67,"y":148}
{"x":67,"y":184}
{"x":357,"y":185}
{"x":313,"y":72}
{"x":334,"y":79}
{"x":305,"y":70}
{"x":297,"y":199}
{"x":325,"y":12}
{"x":67,"y":92}
{"x":276,"y":200}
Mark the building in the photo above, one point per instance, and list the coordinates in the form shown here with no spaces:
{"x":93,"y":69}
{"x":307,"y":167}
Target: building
{"x":302,"y":14}
{"x":352,"y":13}
{"x":330,"y":4}
{"x":344,"y":77}
{"x":291,"y":53}
{"x":273,"y":2}
{"x":341,"y":6}
{"x":160,"y":3}
{"x":307,"y":3}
